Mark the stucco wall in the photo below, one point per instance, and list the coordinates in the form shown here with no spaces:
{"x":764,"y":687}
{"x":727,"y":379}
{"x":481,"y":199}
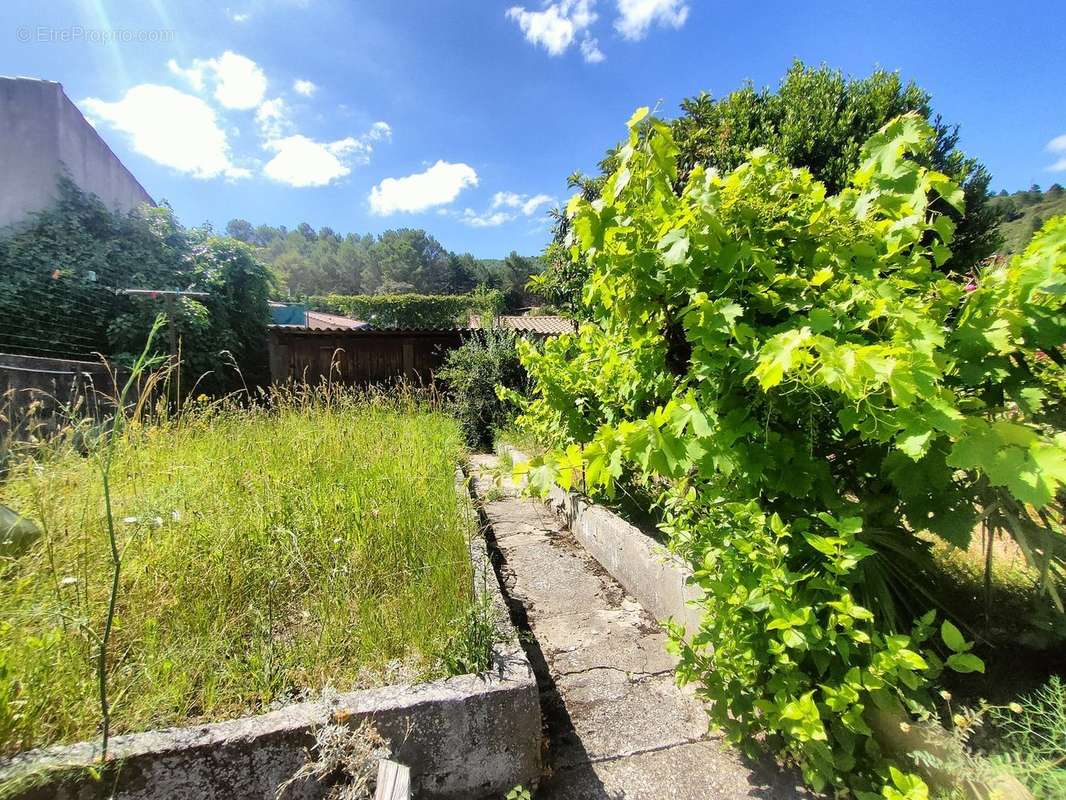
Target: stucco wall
{"x":41,"y":132}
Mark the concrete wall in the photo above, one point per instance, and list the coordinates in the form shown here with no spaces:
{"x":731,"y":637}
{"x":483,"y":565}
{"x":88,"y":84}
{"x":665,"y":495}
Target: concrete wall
{"x":42,"y":133}
{"x":34,"y":393}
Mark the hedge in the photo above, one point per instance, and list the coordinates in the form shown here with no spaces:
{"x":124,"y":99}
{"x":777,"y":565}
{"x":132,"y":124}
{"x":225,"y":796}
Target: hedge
{"x":409,"y":310}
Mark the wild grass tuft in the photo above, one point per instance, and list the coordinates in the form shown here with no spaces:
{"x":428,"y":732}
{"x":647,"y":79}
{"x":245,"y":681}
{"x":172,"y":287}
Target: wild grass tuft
{"x":268,"y":552}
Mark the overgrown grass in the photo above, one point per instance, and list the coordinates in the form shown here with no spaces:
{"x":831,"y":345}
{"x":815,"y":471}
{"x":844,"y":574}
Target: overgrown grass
{"x":266,"y":553}
{"x":1018,"y":632}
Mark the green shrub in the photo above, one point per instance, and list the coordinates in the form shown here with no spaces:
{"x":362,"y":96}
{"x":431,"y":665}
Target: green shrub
{"x":472,"y":372}
{"x":60,"y":273}
{"x":807,"y":388}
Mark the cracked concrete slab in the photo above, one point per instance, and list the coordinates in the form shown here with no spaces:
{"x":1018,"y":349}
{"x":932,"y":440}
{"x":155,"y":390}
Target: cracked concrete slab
{"x":616,"y":723}
{"x":615,"y":638}
{"x":610,"y":716}
{"x":668,"y":774}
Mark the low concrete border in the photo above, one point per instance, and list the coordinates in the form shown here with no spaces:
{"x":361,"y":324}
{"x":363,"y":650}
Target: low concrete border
{"x":654,"y":576}
{"x":471,"y":736}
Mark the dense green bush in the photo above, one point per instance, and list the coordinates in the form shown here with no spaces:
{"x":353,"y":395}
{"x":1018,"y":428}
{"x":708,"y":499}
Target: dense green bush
{"x":219,"y":334}
{"x":410,"y":310}
{"x":816,"y":118}
{"x":60,"y":274}
{"x":487,"y":359}
{"x":794,"y":371}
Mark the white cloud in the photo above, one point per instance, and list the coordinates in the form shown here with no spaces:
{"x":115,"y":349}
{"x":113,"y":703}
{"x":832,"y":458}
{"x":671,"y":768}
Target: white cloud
{"x":557,"y":25}
{"x":301,"y":161}
{"x":379,"y":131}
{"x":239,"y":81}
{"x":1057,"y":146}
{"x":530,"y":206}
{"x":306,"y":88}
{"x":171,"y":128}
{"x":237,"y":16}
{"x":497,"y":214}
{"x":436,"y":186}
{"x":506,"y":200}
{"x":590,"y":50}
{"x":194,"y":75}
{"x":636,"y":16}
{"x":475,"y":220}
{"x":527,"y":204}
{"x":272,"y":117}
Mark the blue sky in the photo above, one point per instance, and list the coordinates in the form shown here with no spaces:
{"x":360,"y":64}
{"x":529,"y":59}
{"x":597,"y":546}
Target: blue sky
{"x":465,"y":116}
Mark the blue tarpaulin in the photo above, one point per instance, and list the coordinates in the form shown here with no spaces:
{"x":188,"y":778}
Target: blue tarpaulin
{"x":288,"y":314}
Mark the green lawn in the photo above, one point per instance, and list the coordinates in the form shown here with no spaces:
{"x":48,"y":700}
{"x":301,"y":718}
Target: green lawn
{"x":265,"y":554}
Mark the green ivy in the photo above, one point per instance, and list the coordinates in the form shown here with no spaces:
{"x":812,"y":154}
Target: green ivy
{"x":61,"y":273}
{"x":807,"y":388}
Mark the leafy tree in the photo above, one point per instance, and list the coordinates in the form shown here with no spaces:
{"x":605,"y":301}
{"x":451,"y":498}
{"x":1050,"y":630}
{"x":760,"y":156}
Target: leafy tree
{"x":792,"y":370}
{"x":460,"y":275}
{"x":241,"y":229}
{"x":412,"y":310}
{"x":405,"y":260}
{"x":818,"y":119}
{"x":517,"y":271}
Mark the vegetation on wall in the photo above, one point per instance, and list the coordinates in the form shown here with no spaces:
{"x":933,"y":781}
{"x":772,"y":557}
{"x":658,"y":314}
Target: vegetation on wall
{"x":60,"y":274}
{"x":817,"y":118}
{"x":788,"y":364}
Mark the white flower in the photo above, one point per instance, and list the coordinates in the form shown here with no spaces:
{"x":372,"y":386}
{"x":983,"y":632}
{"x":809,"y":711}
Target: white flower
{"x":131,"y":520}
{"x":175,"y":515}
{"x":70,"y":580}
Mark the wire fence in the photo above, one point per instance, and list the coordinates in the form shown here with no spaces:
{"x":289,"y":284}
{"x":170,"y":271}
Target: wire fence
{"x":63,"y":319}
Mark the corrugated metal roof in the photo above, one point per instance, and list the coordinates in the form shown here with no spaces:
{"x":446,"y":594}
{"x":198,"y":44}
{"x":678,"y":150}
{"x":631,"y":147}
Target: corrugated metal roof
{"x":542,"y":325}
{"x":320,"y":321}
{"x":367,"y":330}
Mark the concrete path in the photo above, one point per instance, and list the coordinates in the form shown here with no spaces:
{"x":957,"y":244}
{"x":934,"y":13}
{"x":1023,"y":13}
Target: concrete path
{"x":616,"y":724}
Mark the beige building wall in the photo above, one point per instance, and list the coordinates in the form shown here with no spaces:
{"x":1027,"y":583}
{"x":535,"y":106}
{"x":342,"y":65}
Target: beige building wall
{"x":42,"y":133}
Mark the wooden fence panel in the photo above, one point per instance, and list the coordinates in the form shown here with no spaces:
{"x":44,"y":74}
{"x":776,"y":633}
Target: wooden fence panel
{"x":359,"y":357}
